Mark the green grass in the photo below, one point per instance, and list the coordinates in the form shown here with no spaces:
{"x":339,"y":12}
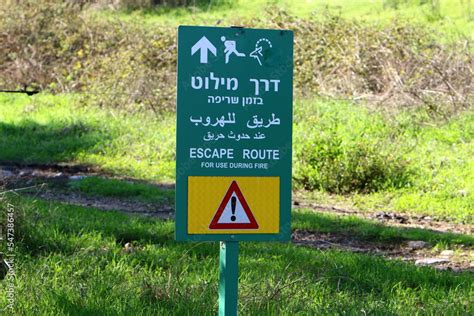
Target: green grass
{"x":97,"y":186}
{"x":436,"y":156}
{"x":455,"y":18}
{"x":71,"y":260}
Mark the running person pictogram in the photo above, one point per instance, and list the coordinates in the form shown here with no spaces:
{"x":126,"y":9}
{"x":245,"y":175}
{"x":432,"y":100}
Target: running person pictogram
{"x":230,"y":48}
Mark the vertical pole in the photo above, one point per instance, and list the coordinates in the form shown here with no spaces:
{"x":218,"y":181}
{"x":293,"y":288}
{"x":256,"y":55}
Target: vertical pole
{"x":229,"y":278}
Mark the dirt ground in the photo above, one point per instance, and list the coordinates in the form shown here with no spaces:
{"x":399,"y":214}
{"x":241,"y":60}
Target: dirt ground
{"x":46,"y":182}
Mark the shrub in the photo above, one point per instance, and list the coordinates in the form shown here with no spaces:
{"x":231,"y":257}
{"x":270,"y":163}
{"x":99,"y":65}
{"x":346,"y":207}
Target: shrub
{"x":327,"y":164}
{"x":340,"y":148}
{"x":51,"y":45}
{"x":39,"y":42}
{"x":58,"y":45}
{"x":394,"y":64}
{"x":137,"y":76}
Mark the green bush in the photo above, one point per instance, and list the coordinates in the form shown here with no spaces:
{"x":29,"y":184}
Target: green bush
{"x":341,"y":152}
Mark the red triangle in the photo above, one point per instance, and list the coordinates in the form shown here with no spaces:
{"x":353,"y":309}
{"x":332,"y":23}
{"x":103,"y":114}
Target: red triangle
{"x":234,"y":188}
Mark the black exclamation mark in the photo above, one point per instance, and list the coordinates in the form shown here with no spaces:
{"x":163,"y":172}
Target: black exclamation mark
{"x":233,"y":201}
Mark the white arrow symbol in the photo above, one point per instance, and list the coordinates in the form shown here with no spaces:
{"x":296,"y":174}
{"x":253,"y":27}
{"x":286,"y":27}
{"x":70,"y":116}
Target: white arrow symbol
{"x":203,"y":45}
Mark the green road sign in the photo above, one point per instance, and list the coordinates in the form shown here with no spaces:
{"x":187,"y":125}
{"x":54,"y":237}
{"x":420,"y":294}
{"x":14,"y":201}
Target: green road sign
{"x":234,"y":122}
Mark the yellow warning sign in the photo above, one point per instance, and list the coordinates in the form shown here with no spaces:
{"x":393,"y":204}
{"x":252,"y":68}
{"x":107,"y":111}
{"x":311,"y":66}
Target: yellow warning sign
{"x":233,"y":205}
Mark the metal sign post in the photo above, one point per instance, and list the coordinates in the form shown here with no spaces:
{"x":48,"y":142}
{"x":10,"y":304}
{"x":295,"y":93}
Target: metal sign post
{"x":229,"y":278}
{"x":233,"y":148}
